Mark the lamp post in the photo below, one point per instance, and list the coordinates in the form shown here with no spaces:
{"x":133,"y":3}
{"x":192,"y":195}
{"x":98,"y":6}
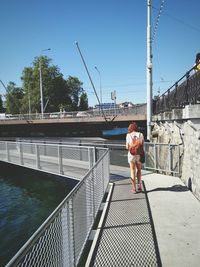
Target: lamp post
{"x":41,"y":89}
{"x":149,"y":70}
{"x":100,"y":84}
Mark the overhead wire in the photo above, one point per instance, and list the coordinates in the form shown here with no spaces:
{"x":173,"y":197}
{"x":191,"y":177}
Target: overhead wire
{"x":158,"y":19}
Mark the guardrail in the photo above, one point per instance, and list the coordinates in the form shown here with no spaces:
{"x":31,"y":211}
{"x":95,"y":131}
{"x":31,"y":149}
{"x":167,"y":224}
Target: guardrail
{"x":61,"y":239}
{"x":162,"y":158}
{"x":69,"y":160}
{"x":159,"y":157}
{"x":135,"y":110}
{"x":184,"y":92}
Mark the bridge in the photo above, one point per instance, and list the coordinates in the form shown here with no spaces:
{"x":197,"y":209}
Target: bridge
{"x":141,"y":235}
{"x":90,"y":123}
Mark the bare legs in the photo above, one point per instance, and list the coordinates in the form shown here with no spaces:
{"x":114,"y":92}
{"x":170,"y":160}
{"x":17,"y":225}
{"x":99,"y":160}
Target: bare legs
{"x":133,"y":166}
{"x":133,"y":175}
{"x":139,"y":167}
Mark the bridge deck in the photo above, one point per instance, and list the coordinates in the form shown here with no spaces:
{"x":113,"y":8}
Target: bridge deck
{"x":157,"y":227}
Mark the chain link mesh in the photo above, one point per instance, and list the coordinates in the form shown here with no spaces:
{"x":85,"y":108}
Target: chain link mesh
{"x":61,"y":238}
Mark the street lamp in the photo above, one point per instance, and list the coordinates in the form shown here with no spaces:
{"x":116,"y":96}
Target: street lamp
{"x":100,"y":84}
{"x":41,"y":90}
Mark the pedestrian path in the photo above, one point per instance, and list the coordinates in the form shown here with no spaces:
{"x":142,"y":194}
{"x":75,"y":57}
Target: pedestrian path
{"x":157,"y":227}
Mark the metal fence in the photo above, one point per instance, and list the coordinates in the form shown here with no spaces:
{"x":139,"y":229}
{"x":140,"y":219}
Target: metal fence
{"x":135,"y":110}
{"x":61,"y":239}
{"x":70,"y":160}
{"x":158,"y":157}
{"x":185,"y":91}
{"x":162,"y":158}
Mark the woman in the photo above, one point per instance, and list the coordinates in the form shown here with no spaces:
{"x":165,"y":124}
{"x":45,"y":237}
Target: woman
{"x":134,"y":160}
{"x":197,"y":62}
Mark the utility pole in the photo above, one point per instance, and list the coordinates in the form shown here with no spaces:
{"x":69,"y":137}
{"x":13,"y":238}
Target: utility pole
{"x":90,"y":80}
{"x":100,"y":83}
{"x":149,"y":70}
{"x":41,"y":89}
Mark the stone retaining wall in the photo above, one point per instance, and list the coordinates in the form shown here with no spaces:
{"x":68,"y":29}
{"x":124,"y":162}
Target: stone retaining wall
{"x":186,"y":133}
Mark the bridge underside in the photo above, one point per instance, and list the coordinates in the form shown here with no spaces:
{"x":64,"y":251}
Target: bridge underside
{"x":65,"y":129}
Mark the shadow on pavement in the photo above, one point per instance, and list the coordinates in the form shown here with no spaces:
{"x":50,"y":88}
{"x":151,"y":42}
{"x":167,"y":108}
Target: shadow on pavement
{"x":127,"y":236}
{"x":174,"y":188}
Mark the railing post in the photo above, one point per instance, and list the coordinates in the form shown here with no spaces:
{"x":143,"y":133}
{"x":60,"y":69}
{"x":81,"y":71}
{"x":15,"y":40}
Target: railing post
{"x":102,"y":175}
{"x":71,"y":234}
{"x":93,"y":194}
{"x":175,"y":96}
{"x":7,"y":152}
{"x":65,"y":237}
{"x":170,"y":158}
{"x":21,"y":154}
{"x":91,"y":158}
{"x":37,"y":154}
{"x":167,"y":102}
{"x":155,"y":157}
{"x":186,"y":88}
{"x":60,"y":161}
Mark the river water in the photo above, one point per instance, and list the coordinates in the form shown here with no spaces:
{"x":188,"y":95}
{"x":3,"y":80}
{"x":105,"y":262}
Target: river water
{"x":27,"y":198}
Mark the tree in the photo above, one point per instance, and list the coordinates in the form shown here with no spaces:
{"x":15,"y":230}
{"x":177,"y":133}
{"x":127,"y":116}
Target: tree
{"x":55,"y":91}
{"x":1,"y":105}
{"x":14,"y":97}
{"x":75,"y":88}
{"x":83,"y":104}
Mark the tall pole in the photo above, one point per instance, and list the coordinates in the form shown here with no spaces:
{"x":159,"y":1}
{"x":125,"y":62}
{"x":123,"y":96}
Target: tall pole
{"x":3,"y":85}
{"x":149,"y":70}
{"x":90,"y":79}
{"x":41,"y":89}
{"x":100,"y":83}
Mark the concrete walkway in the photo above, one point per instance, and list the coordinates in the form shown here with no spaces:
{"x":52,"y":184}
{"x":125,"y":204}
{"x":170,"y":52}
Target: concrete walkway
{"x":158,"y":227}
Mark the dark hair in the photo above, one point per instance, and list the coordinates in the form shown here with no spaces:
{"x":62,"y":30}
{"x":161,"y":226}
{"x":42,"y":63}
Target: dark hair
{"x":197,"y":58}
{"x":132,"y":127}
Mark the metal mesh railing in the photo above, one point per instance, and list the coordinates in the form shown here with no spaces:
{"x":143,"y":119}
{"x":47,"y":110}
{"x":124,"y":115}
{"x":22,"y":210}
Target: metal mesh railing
{"x":72,"y":161}
{"x":61,"y":238}
{"x":135,"y":110}
{"x":159,"y":157}
{"x":162,"y":157}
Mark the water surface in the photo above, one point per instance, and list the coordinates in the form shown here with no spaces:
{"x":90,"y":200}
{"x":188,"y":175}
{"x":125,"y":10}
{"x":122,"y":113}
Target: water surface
{"x":27,"y":198}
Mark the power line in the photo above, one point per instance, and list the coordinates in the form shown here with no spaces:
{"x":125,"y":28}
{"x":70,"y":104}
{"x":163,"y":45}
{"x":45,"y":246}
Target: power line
{"x":107,"y":87}
{"x":158,"y":19}
{"x":181,"y":21}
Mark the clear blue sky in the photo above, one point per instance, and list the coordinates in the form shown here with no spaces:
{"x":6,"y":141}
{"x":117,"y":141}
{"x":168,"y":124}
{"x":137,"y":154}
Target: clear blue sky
{"x":111,"y":35}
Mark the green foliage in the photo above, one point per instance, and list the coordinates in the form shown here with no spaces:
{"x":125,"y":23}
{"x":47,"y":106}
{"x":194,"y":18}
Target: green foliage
{"x":83,"y":105}
{"x":14,"y":98}
{"x":57,"y":92}
{"x":75,"y":88}
{"x":1,"y":105}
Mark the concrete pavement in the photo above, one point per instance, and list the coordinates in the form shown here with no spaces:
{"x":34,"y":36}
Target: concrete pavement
{"x":176,"y":217}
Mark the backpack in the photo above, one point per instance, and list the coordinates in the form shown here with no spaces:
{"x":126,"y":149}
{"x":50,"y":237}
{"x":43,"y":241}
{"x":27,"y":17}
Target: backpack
{"x":136,"y":146}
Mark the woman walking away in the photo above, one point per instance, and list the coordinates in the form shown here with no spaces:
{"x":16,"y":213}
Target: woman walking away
{"x":134,"y":141}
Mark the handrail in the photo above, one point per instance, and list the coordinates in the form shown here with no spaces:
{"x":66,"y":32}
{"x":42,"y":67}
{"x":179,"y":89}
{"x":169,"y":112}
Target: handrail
{"x":65,"y":207}
{"x":185,"y":75}
{"x":184,"y":93}
{"x":136,"y":109}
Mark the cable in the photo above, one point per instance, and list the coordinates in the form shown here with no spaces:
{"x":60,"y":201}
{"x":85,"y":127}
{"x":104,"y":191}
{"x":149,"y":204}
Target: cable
{"x":181,"y":21}
{"x":158,"y":19}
